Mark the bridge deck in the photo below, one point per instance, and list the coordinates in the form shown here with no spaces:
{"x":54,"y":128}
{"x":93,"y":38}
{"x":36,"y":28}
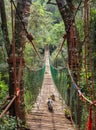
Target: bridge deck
{"x":40,"y":118}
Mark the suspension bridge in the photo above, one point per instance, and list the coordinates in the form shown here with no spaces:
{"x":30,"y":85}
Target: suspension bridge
{"x":65,"y":89}
{"x":40,"y":118}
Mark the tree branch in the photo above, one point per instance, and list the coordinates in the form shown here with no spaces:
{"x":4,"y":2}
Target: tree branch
{"x":49,"y":2}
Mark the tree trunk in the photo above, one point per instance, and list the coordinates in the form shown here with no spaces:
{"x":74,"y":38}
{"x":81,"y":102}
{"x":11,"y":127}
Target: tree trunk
{"x":8,"y":49}
{"x":23,"y":9}
{"x":4,"y":26}
{"x":67,"y":11}
{"x":23,"y":12}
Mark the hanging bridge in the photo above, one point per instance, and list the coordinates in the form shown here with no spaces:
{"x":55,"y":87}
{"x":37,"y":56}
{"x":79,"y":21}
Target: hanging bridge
{"x":64,"y":88}
{"x":40,"y":118}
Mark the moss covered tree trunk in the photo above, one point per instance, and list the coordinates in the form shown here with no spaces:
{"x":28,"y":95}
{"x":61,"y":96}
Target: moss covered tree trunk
{"x":4,"y":27}
{"x":23,"y":12}
{"x":23,"y":9}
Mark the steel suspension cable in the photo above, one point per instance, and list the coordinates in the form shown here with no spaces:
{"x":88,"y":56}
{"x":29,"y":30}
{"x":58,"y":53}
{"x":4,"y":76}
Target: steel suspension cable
{"x":60,"y":48}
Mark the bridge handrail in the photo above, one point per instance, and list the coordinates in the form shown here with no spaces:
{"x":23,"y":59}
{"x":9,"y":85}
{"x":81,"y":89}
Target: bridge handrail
{"x":63,"y":68}
{"x":80,"y":94}
{"x":34,"y":70}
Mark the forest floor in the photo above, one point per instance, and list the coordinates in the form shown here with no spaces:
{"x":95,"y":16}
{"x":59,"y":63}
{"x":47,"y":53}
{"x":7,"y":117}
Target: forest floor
{"x":40,"y":118}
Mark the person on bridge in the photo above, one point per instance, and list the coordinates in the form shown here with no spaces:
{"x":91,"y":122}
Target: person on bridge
{"x":50,"y":104}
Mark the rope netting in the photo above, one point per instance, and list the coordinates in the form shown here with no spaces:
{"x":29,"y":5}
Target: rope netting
{"x":78,"y":105}
{"x":33,"y":84}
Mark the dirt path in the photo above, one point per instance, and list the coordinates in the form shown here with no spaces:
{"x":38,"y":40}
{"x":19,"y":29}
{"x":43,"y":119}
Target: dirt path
{"x":40,"y":118}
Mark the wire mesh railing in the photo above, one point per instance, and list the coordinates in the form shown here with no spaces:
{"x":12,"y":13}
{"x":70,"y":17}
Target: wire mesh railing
{"x":33,"y":84}
{"x":78,"y":106}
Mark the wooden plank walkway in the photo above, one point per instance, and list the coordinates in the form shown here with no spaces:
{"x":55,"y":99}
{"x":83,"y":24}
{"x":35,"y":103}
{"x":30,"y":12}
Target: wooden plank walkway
{"x":40,"y":118}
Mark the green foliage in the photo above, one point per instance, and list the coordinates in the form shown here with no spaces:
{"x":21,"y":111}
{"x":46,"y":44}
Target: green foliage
{"x":55,"y":14}
{"x":93,"y":15}
{"x":31,"y":58}
{"x":57,"y":33}
{"x":3,"y":64}
{"x":8,"y":16}
{"x":67,"y":113}
{"x":3,"y":90}
{"x":80,"y":27}
{"x":1,"y":37}
{"x":61,"y":60}
{"x":29,"y":54}
{"x":93,"y":44}
{"x":40,"y":23}
{"x":9,"y":123}
{"x":45,"y":23}
{"x":84,"y":116}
